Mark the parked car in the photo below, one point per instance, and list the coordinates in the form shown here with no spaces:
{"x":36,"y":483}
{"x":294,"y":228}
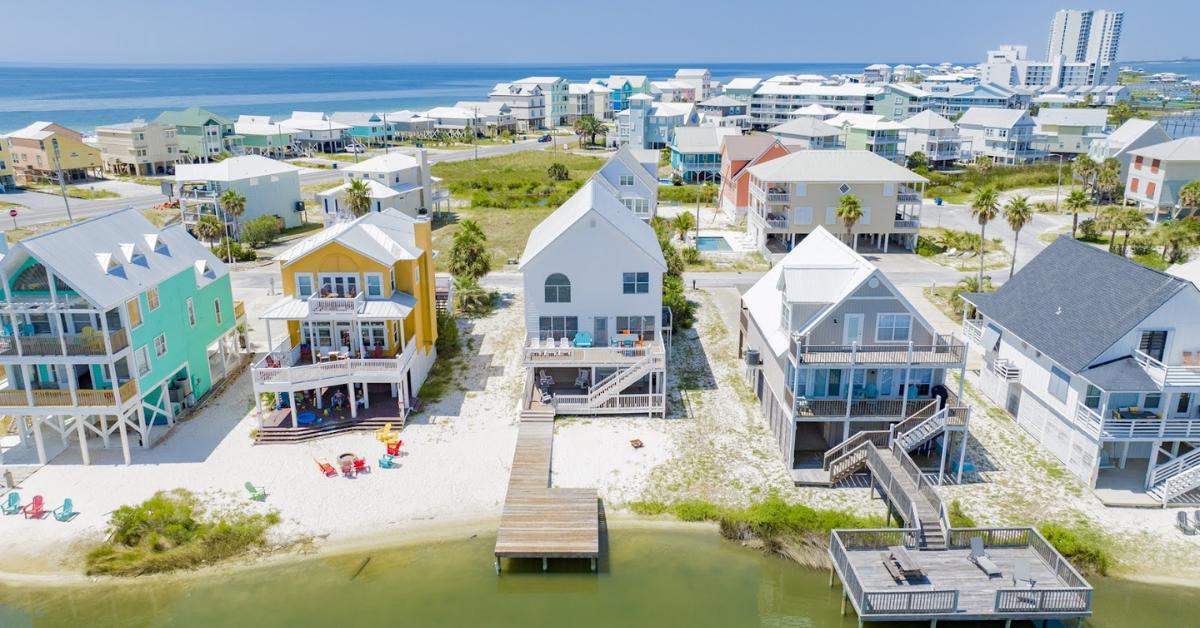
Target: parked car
{"x":545,"y":138}
{"x":352,"y":148}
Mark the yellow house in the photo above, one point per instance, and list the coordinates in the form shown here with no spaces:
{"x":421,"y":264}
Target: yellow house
{"x":34,"y":157}
{"x":359,"y":315}
{"x":6,"y":171}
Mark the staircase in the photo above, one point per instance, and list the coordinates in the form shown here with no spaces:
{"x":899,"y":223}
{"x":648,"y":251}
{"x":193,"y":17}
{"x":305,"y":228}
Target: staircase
{"x":923,"y":432}
{"x":1172,"y":479}
{"x":916,"y":501}
{"x":612,"y":385}
{"x":292,"y":435}
{"x":846,"y":459}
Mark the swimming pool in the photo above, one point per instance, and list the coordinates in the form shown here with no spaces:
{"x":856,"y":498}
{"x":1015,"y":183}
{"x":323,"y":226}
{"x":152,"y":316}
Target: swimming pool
{"x":712,"y":243}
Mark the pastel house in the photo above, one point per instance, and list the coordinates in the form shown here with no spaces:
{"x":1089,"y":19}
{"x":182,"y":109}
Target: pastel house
{"x":270,"y":187}
{"x":394,"y":181}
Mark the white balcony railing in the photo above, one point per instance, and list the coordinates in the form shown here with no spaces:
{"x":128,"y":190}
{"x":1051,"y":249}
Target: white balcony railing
{"x":1164,"y":375}
{"x":562,"y":352}
{"x":778,"y":197}
{"x":286,"y":367}
{"x":973,"y":331}
{"x":908,"y":224}
{"x":336,"y":306}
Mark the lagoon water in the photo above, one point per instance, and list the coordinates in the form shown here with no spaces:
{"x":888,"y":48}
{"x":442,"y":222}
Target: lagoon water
{"x":661,"y":577}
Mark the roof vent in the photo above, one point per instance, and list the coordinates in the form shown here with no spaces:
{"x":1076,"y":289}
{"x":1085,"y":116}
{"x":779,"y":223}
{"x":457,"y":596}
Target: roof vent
{"x":844,"y":189}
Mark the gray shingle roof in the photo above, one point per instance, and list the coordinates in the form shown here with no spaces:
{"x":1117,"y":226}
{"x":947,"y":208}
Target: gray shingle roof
{"x":1123,"y":375}
{"x":1073,"y":301}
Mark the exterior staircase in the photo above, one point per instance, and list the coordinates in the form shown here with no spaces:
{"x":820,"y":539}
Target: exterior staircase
{"x":1176,"y":477}
{"x":915,"y":499}
{"x":291,"y":435}
{"x":848,"y":458}
{"x":614,"y":384}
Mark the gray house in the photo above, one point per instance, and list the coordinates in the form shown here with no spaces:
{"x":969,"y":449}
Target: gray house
{"x":271,"y":188}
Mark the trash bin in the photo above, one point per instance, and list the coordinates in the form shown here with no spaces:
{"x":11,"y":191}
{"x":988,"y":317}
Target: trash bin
{"x":514,"y":140}
{"x":937,"y":200}
{"x":334,"y":165}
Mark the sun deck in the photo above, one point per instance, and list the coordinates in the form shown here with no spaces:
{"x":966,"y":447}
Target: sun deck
{"x":952,"y":587}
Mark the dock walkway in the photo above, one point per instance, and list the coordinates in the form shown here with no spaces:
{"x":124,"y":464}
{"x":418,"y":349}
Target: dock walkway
{"x":539,"y":521}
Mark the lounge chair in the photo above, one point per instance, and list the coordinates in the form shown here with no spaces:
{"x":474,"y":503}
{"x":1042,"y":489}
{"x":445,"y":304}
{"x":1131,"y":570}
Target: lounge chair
{"x":327,"y":468}
{"x":34,"y":509}
{"x":1185,"y":526}
{"x":582,"y":380}
{"x":65,"y":512}
{"x":393,"y":448}
{"x":1022,"y":574}
{"x":257,"y":493}
{"x":385,"y":433}
{"x":361,"y":466}
{"x":387,"y":461}
{"x":13,"y":505}
{"x":981,"y":559}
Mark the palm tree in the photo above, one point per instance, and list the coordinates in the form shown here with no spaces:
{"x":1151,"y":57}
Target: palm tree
{"x":850,"y":210}
{"x":984,"y":208}
{"x":1110,"y":220}
{"x":1077,"y":201}
{"x":1189,"y":195}
{"x":1084,"y":169}
{"x":209,"y":228}
{"x":683,"y":223}
{"x":969,"y":284}
{"x":661,"y":226}
{"x":234,"y":205}
{"x":358,"y":197}
{"x":1129,"y":220}
{"x":583,"y":126}
{"x":983,"y":165}
{"x":1106,"y":184}
{"x":1176,"y":238}
{"x":1018,"y":213}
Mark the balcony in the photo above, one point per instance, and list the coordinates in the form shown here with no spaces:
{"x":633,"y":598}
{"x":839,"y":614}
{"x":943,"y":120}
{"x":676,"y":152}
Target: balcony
{"x":779,"y":197}
{"x":1114,"y":427}
{"x":771,"y":221}
{"x":56,"y":398}
{"x":67,"y":345}
{"x":1166,"y":376}
{"x":908,"y":195}
{"x":907,"y":224}
{"x":946,"y":350}
{"x":865,"y":408}
{"x":336,"y":306}
{"x":562,"y":352}
{"x":285,"y":369}
{"x":973,"y":330}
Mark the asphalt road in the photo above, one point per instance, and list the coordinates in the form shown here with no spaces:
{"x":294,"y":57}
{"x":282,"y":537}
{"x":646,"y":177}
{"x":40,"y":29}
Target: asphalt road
{"x":43,"y":208}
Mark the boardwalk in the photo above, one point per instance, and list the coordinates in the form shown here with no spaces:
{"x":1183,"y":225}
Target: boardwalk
{"x":918,"y":508}
{"x":539,"y":521}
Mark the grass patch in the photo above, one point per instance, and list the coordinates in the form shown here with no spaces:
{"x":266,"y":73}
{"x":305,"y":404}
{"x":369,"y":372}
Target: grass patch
{"x":507,"y":232}
{"x":1152,"y":260}
{"x":516,"y":180}
{"x":773,"y":520}
{"x":958,"y":187}
{"x":444,"y":374}
{"x":300,"y":229}
{"x":140,"y":180}
{"x":343,"y":157}
{"x":1088,"y":549}
{"x":174,"y":530}
{"x":310,"y":164}
{"x":314,"y":188}
{"x":958,"y":518}
{"x":5,"y":205}
{"x":73,"y":192}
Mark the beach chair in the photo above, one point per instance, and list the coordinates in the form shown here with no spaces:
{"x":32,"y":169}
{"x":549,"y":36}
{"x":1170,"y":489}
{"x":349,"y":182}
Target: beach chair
{"x":385,"y":433}
{"x":360,"y":466}
{"x":387,"y":461}
{"x":981,"y":559}
{"x":1022,"y":573}
{"x":13,"y":505}
{"x":34,"y":509}
{"x":326,"y":468}
{"x":257,"y":493}
{"x":393,"y":447}
{"x":582,"y":380}
{"x":1185,"y":526}
{"x":65,"y":512}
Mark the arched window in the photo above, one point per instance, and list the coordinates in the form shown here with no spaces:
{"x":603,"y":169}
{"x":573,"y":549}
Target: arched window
{"x":558,"y":289}
{"x":33,"y":279}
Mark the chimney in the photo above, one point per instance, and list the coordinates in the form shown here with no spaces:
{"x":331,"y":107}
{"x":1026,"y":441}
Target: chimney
{"x":426,"y":181}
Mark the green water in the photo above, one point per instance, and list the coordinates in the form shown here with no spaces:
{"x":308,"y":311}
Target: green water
{"x":650,"y":577}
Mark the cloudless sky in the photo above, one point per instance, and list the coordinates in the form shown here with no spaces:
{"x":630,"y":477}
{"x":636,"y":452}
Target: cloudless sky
{"x":561,"y":31}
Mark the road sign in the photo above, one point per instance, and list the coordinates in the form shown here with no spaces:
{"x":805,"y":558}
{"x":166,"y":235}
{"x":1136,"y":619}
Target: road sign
{"x":12,"y":212}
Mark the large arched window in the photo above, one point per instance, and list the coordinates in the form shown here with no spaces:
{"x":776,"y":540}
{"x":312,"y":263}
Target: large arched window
{"x":33,"y":279}
{"x":558,"y":289}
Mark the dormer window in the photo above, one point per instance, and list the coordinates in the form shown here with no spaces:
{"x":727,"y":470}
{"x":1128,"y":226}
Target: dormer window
{"x":108,"y":263}
{"x":130,"y":253}
{"x":155,"y":242}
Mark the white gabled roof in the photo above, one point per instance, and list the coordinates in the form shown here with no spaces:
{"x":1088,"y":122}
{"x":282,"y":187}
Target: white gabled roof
{"x":1072,"y":117}
{"x":598,"y":201}
{"x":629,"y":157}
{"x":701,"y":139}
{"x":814,"y":110}
{"x":312,"y":121}
{"x":375,"y":190}
{"x":991,"y":117}
{"x":386,"y":237}
{"x":35,"y":131}
{"x":928,"y":120}
{"x":112,"y":258}
{"x":391,"y":162}
{"x":232,"y":169}
{"x":806,"y":127}
{"x":867,"y":121}
{"x":743,"y":83}
{"x":1130,"y":131}
{"x":258,"y":125}
{"x":1185,"y":149}
{"x":834,"y":166}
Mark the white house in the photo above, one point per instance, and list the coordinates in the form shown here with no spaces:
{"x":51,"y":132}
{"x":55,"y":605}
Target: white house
{"x":634,"y":182}
{"x":493,"y":117}
{"x":835,"y":353}
{"x":934,"y":136}
{"x":1134,"y":134}
{"x":1160,"y":171}
{"x":698,"y":79}
{"x":270,"y":187}
{"x":1007,"y":136}
{"x":593,"y":275}
{"x":527,"y":102}
{"x":810,"y":133}
{"x":317,"y":130}
{"x":395,"y":181}
{"x":1096,"y":357}
{"x":1071,"y":131}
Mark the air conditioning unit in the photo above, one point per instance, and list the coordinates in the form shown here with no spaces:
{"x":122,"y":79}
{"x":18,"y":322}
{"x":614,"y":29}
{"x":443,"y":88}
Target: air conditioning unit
{"x":1007,"y":370}
{"x":752,"y":357}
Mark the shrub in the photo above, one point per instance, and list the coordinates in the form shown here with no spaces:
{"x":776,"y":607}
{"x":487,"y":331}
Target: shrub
{"x":1085,"y":547}
{"x":958,"y":518}
{"x":647,"y":507}
{"x":683,"y":312}
{"x":1090,"y":230}
{"x":447,"y":327}
{"x":691,"y":256}
{"x":1152,"y":260}
{"x":695,"y":510}
{"x":558,"y":172}
{"x":1141,"y":246}
{"x":472,"y":299}
{"x":684,"y":194}
{"x":229,"y":247}
{"x":926,"y":247}
{"x":261,"y":231}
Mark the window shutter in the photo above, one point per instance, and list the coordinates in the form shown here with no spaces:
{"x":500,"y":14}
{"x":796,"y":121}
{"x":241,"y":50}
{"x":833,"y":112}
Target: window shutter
{"x":830,"y":215}
{"x":866,"y":217}
{"x":889,"y":189}
{"x":1150,"y":189}
{"x":802,"y":215}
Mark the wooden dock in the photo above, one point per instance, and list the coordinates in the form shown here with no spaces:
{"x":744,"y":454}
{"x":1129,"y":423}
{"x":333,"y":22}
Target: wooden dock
{"x":539,"y":521}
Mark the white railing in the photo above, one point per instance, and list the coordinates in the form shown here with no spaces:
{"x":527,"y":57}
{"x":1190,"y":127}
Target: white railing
{"x":551,"y":352}
{"x":777,"y":197}
{"x":1165,"y":375}
{"x":335,"y":305}
{"x":1165,"y":471}
{"x":623,"y":403}
{"x":1088,"y":419}
{"x":1180,"y":484}
{"x":973,"y":330}
{"x":1152,"y":429}
{"x":323,"y":372}
{"x":946,"y":349}
{"x":908,"y":224}
{"x":777,"y":223}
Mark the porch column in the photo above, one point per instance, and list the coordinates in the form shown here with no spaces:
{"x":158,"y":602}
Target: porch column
{"x":366,"y":395}
{"x":124,"y":438}
{"x":962,"y":455}
{"x":83,"y":446}
{"x":258,"y":407}
{"x":885,"y":244}
{"x":143,"y":436}
{"x":947,"y":438}
{"x":61,"y":419}
{"x":350,"y":398}
{"x":104,"y":429}
{"x":1155,"y":450}
{"x":37,"y":439}
{"x":292,"y":403}
{"x":22,"y":431}
{"x":270,"y":339}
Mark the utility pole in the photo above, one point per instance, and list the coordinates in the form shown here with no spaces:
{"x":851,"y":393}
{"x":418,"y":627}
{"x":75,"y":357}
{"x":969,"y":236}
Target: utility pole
{"x":699,"y":187}
{"x":1059,"y":186}
{"x":62,"y":186}
{"x":387,"y":135}
{"x":475,"y":133}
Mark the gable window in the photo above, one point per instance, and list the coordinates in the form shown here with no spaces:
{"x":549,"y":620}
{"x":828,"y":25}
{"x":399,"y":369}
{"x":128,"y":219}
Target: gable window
{"x":160,"y":345}
{"x":304,"y":285}
{"x":636,"y":283}
{"x":1153,"y":343}
{"x":374,"y":283}
{"x":893,"y":328}
{"x":134,"y":308}
{"x":558,"y":327}
{"x":142,"y":360}
{"x":217,"y":310}
{"x":1060,"y":381}
{"x":626,"y":179}
{"x":152,"y":299}
{"x":1091,"y":398}
{"x":191,"y":311}
{"x":558,"y":289}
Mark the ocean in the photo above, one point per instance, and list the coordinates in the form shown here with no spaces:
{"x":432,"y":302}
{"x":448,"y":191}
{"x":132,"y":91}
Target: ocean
{"x":82,"y":98}
{"x":85,"y":97}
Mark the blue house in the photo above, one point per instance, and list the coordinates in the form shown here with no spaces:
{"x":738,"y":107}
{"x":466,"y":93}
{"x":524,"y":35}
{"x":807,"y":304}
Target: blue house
{"x":648,"y":125}
{"x":623,"y":88}
{"x":368,"y":128}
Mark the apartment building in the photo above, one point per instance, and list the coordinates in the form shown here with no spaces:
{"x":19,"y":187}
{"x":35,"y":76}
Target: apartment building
{"x":699,"y":80}
{"x":773,"y":103}
{"x":138,"y":147}
{"x":872,"y":133}
{"x":588,"y":99}
{"x":1085,"y":35}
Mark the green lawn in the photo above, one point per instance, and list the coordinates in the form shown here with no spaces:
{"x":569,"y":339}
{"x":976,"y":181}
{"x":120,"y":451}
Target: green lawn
{"x":507,"y":232}
{"x":72,"y":192}
{"x":313,"y":188}
{"x":345,"y":157}
{"x":515,"y":180}
{"x":11,"y":205}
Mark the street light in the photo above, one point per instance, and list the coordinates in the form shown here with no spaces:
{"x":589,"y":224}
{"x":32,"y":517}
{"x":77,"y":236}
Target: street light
{"x":1059,"y":185}
{"x":61,"y":185}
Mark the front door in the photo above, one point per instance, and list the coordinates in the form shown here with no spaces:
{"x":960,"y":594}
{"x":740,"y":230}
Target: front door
{"x":854,"y":329}
{"x":600,"y":332}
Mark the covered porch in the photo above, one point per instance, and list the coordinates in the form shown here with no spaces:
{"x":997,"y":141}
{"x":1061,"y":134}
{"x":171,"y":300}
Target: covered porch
{"x":325,"y":412}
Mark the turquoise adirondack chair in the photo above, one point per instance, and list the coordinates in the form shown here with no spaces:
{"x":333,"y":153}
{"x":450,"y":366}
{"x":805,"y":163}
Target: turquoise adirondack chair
{"x":13,"y":505}
{"x":257,"y":493}
{"x":387,"y":461}
{"x":65,"y":512}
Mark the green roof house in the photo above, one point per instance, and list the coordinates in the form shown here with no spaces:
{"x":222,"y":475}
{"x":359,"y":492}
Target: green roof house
{"x":202,"y":134}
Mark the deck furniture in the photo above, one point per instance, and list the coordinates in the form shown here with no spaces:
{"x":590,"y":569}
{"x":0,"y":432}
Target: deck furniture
{"x":908,"y":565}
{"x":1134,"y":413}
{"x":393,"y":447}
{"x":981,"y":559}
{"x":65,"y":512}
{"x":583,"y":339}
{"x":545,"y":380}
{"x":890,"y":564}
{"x":1185,"y":526}
{"x":360,"y":466}
{"x":385,"y":433}
{"x":13,"y":505}
{"x":326,"y":468}
{"x":582,"y":380}
{"x":1021,"y":573}
{"x":637,"y":443}
{"x":324,"y":355}
{"x":34,"y":509}
{"x":257,"y":493}
{"x":387,"y":461}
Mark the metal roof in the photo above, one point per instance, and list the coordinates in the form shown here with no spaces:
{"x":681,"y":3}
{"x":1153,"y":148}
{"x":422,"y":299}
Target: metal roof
{"x":746,"y":147}
{"x":928,"y":120}
{"x":1072,"y":117}
{"x":992,"y":117}
{"x":114,"y":257}
{"x":192,"y":116}
{"x":1185,"y":149}
{"x":806,"y":127}
{"x":232,"y":169}
{"x":1074,"y":301}
{"x":701,"y":139}
{"x":386,"y":237}
{"x":391,"y":162}
{"x":834,"y":166}
{"x":396,"y":307}
{"x":375,"y":190}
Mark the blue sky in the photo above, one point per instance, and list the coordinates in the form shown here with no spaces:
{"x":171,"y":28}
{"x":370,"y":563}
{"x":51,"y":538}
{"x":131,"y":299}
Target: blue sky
{"x":565,"y":31}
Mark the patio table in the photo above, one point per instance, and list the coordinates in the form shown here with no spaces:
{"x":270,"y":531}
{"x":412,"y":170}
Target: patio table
{"x":1139,"y":415}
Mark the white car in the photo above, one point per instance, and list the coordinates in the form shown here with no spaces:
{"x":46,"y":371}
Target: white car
{"x":355,"y":149}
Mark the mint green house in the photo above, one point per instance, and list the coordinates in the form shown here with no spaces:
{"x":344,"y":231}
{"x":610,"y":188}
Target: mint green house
{"x":111,"y":329}
{"x":369,"y":128}
{"x":202,"y":134}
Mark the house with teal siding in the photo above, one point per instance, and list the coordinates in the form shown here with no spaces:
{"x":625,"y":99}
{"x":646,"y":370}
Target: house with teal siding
{"x":260,"y":136}
{"x":623,"y":88}
{"x":202,"y":134}
{"x":112,"y":329}
{"x":369,"y":128}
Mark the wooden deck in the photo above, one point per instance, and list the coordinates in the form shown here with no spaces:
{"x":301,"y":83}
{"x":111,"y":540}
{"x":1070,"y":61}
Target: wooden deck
{"x":539,"y":521}
{"x":277,"y":426}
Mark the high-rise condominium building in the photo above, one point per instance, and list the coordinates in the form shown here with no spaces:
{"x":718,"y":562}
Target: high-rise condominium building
{"x":1085,"y":36}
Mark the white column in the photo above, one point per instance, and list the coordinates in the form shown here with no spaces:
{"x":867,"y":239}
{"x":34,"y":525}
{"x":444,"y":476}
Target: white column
{"x":124,"y":438}
{"x":61,"y":419}
{"x":22,"y":431}
{"x":366,"y":395}
{"x":350,"y":398}
{"x":83,"y":445}
{"x":37,"y":438}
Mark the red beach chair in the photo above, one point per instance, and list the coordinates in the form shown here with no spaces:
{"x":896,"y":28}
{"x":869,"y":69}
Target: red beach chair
{"x":393,"y":449}
{"x":360,"y":466}
{"x":326,"y":468}
{"x":35,"y":509}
